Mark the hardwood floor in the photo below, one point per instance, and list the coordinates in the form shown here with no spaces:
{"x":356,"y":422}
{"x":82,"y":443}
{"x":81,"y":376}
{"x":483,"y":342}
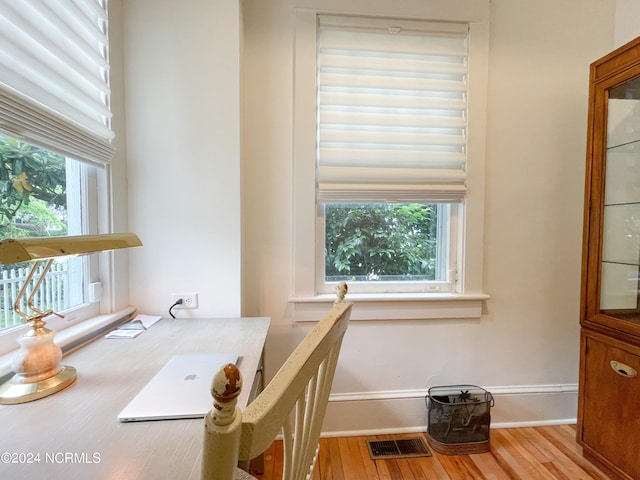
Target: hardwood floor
{"x":516,"y":453}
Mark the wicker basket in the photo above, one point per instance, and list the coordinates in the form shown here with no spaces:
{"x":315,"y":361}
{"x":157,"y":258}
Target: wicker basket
{"x":459,"y":419}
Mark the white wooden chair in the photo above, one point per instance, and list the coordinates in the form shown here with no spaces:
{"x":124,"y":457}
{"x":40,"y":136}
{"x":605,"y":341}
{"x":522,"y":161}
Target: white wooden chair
{"x":293,"y":403}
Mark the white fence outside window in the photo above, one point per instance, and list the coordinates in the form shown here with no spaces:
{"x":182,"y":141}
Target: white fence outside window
{"x":51,"y":294}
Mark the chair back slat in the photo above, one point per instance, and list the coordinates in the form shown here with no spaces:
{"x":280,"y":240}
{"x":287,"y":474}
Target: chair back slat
{"x":262,"y":419}
{"x":293,"y":405}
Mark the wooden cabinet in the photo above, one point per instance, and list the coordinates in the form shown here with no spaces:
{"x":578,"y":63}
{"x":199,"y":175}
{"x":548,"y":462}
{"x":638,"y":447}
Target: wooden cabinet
{"x":609,"y":394}
{"x":610,"y":426}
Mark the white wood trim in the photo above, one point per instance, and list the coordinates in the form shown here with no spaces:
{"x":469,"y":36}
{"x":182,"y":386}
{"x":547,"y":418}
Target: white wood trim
{"x":422,"y":429}
{"x":421,"y":393}
{"x":305,"y":219}
{"x":545,"y":423}
{"x":396,"y":411}
{"x":394,"y":306}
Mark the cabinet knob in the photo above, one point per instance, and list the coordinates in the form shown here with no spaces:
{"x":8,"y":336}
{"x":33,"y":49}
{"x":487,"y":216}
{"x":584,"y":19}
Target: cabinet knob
{"x":623,"y":369}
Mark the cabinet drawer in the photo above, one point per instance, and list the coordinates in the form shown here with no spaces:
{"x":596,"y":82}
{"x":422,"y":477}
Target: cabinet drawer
{"x":611,"y":421}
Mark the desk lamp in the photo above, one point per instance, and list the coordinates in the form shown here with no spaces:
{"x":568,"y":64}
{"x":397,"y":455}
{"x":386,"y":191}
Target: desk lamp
{"x":37,"y":368}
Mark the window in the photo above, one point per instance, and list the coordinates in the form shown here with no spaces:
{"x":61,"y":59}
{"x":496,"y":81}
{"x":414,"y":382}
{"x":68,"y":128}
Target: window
{"x":379,"y":243}
{"x":41,"y":194}
{"x":391,"y":128}
{"x":389,"y":137}
{"x":55,"y":144}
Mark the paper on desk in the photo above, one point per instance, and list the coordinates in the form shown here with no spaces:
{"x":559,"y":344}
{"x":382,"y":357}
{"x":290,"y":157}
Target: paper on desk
{"x":147,"y":320}
{"x":123,"y":334}
{"x":134,"y":327}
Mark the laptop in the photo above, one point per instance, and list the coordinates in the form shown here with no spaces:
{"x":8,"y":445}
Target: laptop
{"x":181,"y":389}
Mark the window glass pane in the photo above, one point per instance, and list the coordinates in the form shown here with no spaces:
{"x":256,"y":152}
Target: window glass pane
{"x":386,"y":242}
{"x":34,"y":203}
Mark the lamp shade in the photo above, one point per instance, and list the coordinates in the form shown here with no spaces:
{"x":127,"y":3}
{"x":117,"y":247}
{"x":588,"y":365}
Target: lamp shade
{"x":16,"y":250}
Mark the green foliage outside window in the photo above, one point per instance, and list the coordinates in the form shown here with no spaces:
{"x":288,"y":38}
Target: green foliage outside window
{"x":32,"y":191}
{"x":33,"y":203}
{"x":380,"y":242}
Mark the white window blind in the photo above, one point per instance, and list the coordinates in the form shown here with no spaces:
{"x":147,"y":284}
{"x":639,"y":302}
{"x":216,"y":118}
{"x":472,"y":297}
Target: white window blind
{"x":392,"y":103}
{"x":54,"y":76}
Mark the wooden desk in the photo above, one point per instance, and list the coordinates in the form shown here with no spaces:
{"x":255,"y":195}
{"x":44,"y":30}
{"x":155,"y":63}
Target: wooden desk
{"x":74,"y":434}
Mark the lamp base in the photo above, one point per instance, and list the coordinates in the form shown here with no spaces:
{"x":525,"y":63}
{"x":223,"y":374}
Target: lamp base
{"x":12,"y":392}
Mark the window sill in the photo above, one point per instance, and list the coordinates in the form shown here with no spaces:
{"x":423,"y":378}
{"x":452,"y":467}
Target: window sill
{"x":394,"y":306}
{"x":74,"y":337}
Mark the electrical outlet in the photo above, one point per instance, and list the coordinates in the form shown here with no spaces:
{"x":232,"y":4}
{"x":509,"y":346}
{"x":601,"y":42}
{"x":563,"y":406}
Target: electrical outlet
{"x":189,"y":300}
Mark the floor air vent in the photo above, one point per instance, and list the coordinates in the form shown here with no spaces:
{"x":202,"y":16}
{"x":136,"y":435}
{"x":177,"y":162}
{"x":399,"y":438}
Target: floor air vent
{"x":402,"y":448}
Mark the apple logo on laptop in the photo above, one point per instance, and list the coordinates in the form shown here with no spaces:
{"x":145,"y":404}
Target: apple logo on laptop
{"x":193,"y":376}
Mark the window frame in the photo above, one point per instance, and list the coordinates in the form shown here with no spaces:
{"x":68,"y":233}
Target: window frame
{"x":467,"y":298}
{"x":447,"y":261}
{"x":106,"y":288}
{"x":90,"y":183}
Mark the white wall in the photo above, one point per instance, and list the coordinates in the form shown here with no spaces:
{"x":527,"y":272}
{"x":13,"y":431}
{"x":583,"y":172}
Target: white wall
{"x":525,"y":346}
{"x":538,"y":89}
{"x":627,"y":26}
{"x":182,"y":89}
{"x":182,"y":85}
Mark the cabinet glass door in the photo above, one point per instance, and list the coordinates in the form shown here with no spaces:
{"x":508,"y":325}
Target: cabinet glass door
{"x":619,"y":287}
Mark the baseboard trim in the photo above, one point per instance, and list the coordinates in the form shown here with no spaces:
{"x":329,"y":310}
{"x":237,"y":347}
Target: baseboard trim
{"x":422,"y":393}
{"x":539,"y":423}
{"x":404,"y":411}
{"x":373,"y":432}
{"x":409,"y":430}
